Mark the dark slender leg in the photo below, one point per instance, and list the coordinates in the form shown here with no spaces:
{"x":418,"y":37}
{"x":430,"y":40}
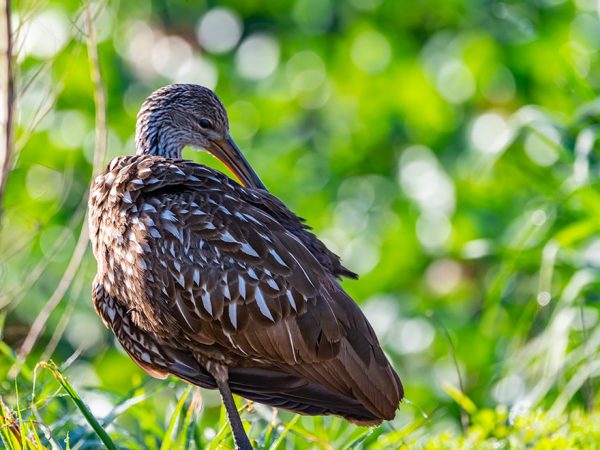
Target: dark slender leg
{"x":239,"y":434}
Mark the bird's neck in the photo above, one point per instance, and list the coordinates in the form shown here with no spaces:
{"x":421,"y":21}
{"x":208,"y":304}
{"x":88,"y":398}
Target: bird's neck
{"x":158,"y":139}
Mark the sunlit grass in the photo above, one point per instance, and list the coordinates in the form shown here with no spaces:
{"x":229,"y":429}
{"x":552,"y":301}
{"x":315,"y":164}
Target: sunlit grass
{"x":54,"y":415}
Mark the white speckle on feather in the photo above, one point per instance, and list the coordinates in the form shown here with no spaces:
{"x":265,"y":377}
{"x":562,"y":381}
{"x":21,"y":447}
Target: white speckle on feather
{"x":249,"y":250}
{"x":175,"y":231}
{"x":291,"y":338}
{"x":232,"y":310}
{"x":127,"y":197}
{"x":206,"y":302}
{"x":265,"y":237}
{"x":182,"y":312}
{"x":262,"y":305}
{"x":226,"y":292}
{"x":252,"y":219}
{"x":277,"y":257}
{"x":252,"y":273}
{"x":168,"y":215}
{"x":108,"y":178}
{"x":242,"y":286}
{"x":290,"y":298}
{"x":227,"y":237}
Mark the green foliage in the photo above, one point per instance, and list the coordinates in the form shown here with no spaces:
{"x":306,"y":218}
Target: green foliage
{"x":447,"y":150}
{"x":492,"y":429}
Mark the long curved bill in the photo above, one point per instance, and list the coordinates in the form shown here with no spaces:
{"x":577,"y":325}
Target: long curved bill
{"x":227,"y":151}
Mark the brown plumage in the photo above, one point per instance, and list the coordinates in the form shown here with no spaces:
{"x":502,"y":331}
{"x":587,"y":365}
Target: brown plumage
{"x":218,"y":283}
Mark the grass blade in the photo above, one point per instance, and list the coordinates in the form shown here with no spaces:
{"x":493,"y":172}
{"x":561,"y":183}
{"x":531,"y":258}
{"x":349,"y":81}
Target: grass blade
{"x":284,"y":433}
{"x":89,"y":417}
{"x":460,"y":398}
{"x":167,"y":442}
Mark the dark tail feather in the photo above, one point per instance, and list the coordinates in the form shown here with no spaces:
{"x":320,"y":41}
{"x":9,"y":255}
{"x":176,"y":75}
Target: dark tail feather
{"x":281,"y":390}
{"x":291,"y":392}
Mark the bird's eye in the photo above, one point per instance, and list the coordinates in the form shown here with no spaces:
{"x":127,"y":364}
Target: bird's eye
{"x":205,"y":123}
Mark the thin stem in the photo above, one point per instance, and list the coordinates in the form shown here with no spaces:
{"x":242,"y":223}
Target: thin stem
{"x":464,"y":415}
{"x":6,"y":95}
{"x":99,"y":92}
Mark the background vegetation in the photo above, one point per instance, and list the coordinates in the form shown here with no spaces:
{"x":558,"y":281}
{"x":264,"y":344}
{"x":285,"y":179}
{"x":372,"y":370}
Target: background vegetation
{"x":446,"y":149}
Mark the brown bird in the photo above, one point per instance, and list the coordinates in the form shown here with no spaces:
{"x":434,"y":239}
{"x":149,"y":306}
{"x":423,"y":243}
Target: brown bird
{"x":220,"y":284}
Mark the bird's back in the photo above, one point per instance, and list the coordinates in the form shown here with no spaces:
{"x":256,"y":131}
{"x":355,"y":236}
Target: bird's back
{"x":194,"y":269}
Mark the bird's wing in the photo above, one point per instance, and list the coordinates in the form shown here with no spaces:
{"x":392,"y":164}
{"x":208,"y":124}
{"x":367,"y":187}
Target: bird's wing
{"x":291,"y":222}
{"x":238,"y":283}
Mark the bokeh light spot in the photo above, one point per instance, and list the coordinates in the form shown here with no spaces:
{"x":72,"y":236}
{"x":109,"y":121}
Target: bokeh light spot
{"x":543,"y":298}
{"x":541,"y":145}
{"x":490,"y":133}
{"x":424,"y":181}
{"x":219,"y":30}
{"x":455,"y":81}
{"x":443,"y":276}
{"x":45,"y":34}
{"x":412,"y":336}
{"x":257,"y":57}
{"x":69,"y":129}
{"x":44,"y":183}
{"x":371,"y":51}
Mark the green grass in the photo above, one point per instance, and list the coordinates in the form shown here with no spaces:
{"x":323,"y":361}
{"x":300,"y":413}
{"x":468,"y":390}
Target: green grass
{"x":54,"y":415}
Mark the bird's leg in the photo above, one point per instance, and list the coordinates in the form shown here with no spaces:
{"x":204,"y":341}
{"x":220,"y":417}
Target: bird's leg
{"x":220,"y":373}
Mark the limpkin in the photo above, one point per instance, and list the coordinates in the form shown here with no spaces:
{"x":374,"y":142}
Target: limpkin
{"x":220,"y":284}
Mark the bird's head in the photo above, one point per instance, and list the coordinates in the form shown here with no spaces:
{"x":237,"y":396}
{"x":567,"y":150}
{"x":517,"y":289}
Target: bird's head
{"x":181,"y":115}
